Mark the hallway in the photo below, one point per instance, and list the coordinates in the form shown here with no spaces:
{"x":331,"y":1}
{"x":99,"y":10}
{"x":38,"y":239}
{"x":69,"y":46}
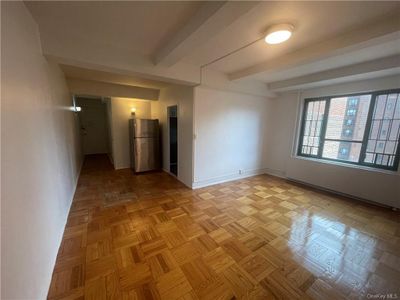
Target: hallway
{"x":150,"y":237}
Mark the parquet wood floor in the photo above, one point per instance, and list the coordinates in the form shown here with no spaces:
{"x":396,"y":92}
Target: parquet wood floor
{"x":149,"y":237}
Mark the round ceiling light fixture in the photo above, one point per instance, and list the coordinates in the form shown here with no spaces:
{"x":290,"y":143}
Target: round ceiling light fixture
{"x":278,"y":33}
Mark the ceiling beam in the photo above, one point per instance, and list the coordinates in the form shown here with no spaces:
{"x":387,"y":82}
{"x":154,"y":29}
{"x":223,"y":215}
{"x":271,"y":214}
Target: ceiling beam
{"x":104,"y":89}
{"x":360,"y":69}
{"x":369,"y":35}
{"x":209,"y":20}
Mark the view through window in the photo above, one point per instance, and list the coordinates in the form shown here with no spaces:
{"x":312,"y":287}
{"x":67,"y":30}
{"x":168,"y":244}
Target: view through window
{"x":359,"y":129}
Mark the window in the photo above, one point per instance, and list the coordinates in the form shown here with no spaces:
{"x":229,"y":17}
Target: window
{"x":361,"y":129}
{"x":312,"y":127}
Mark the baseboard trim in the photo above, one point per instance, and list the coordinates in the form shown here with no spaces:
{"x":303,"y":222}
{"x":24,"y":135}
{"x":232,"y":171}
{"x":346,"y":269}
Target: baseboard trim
{"x":226,"y":178}
{"x":121,"y":167}
{"x":276,"y":173}
{"x":282,"y":174}
{"x":337,"y":193}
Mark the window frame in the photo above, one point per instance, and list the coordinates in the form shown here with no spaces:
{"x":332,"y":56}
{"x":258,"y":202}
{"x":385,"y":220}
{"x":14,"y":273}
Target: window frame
{"x":363,"y":142}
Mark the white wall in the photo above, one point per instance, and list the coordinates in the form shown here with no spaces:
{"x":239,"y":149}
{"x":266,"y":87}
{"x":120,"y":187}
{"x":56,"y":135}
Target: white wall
{"x":120,"y":114}
{"x":40,"y":158}
{"x":379,"y":186}
{"x":230,"y":135}
{"x":182,"y":96}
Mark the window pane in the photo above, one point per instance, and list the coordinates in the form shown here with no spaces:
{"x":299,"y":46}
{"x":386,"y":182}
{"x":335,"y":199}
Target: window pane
{"x":310,"y":108}
{"x":397,"y":109}
{"x":390,"y":106}
{"x":384,"y":133}
{"x":342,"y":150}
{"x":312,"y":127}
{"x":380,"y":106}
{"x":307,"y":128}
{"x":394,"y":130}
{"x":371,"y":145}
{"x":369,"y":157}
{"x":384,"y":129}
{"x":347,"y":117}
{"x":390,"y":147}
{"x":380,"y":146}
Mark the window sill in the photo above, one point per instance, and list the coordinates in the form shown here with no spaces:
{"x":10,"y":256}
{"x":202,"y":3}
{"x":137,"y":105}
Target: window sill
{"x":341,"y":164}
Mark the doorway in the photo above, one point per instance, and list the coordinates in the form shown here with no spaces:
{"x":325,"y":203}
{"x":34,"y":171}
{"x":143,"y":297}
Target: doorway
{"x":172,"y":112}
{"x":93,"y":124}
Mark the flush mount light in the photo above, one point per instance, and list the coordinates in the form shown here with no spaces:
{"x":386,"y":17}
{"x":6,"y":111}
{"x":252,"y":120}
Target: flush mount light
{"x":278,"y":33}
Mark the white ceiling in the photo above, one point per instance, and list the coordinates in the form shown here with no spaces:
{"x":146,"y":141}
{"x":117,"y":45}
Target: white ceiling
{"x":193,"y":33}
{"x":313,"y":20}
{"x":140,"y":26}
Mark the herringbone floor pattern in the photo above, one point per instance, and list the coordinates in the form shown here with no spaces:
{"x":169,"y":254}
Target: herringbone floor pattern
{"x":149,"y":237}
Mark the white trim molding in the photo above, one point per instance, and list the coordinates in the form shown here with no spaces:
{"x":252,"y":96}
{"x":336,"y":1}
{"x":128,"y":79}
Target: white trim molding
{"x":227,"y":177}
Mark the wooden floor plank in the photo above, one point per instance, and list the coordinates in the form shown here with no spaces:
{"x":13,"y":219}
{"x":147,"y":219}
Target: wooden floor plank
{"x":149,"y":237}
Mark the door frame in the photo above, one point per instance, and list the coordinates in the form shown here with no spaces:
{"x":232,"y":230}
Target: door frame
{"x":108,"y":122}
{"x":169,"y":142}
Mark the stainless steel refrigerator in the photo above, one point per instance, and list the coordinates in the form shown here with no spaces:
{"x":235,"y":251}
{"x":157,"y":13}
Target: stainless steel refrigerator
{"x":144,"y":145}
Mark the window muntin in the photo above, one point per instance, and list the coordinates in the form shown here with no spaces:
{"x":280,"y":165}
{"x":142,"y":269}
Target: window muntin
{"x":383,"y":137}
{"x":314,"y":113}
{"x":358,"y":129}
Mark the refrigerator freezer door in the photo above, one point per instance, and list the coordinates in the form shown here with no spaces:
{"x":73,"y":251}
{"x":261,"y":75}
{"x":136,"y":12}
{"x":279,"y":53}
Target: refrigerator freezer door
{"x":146,"y":128}
{"x":147,"y":155}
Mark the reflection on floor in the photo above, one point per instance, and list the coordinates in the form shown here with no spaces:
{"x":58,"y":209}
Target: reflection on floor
{"x":148,"y":236}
